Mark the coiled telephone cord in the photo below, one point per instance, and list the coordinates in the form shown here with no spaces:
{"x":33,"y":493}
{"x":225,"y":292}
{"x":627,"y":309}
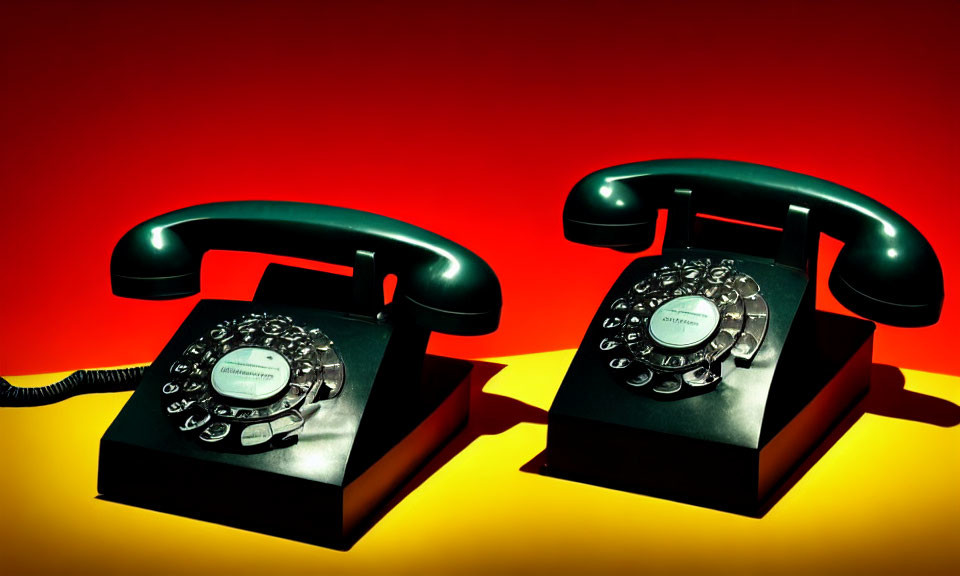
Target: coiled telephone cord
{"x":80,"y":382}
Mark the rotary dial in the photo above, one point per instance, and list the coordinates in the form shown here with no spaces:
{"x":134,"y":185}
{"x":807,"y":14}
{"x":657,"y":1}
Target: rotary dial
{"x":252,"y":379}
{"x":673,"y":328}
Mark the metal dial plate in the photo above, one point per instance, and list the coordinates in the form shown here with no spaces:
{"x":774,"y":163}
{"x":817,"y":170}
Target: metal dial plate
{"x":251,"y":380}
{"x":671,"y":330}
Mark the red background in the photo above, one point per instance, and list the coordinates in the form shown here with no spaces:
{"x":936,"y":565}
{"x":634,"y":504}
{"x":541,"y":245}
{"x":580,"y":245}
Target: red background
{"x":470,"y":119}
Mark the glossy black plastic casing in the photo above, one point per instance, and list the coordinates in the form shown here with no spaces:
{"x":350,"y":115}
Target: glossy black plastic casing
{"x":394,"y":409}
{"x":886,"y":270}
{"x":441,"y":285}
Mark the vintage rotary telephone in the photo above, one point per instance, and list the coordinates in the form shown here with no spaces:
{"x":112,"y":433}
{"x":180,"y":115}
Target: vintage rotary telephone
{"x":706,"y":374}
{"x":297,"y":413}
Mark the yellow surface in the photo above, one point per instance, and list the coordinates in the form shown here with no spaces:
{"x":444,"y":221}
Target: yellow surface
{"x":884,"y":499}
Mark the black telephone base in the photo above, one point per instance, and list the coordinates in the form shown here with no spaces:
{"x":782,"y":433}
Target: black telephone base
{"x":282,"y":501}
{"x":825,"y":382}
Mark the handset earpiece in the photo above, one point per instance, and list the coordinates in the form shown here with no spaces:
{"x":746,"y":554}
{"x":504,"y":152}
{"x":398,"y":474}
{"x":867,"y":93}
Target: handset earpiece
{"x":609,"y":213}
{"x":893,"y":282}
{"x":440,"y":285}
{"x":886,"y":270}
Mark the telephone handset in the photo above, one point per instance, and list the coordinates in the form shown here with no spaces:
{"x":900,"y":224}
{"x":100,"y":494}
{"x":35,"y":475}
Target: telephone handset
{"x":316,"y":390}
{"x":886,"y":270}
{"x":441,"y":286}
{"x":698,"y":376}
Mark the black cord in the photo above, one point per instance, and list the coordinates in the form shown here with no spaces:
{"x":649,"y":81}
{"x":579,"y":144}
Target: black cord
{"x":80,"y":382}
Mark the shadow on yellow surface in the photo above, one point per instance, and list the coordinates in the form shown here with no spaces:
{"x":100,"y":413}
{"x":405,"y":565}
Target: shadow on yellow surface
{"x":490,"y":414}
{"x":888,"y":397}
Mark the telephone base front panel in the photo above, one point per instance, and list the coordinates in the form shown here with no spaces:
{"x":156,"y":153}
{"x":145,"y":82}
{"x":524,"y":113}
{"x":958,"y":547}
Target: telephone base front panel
{"x":821,"y":386}
{"x":276,"y":503}
{"x":387,"y":413}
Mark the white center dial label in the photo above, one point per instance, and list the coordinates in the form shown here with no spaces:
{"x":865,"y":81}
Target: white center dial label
{"x":250,"y":374}
{"x":684,"y":322}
